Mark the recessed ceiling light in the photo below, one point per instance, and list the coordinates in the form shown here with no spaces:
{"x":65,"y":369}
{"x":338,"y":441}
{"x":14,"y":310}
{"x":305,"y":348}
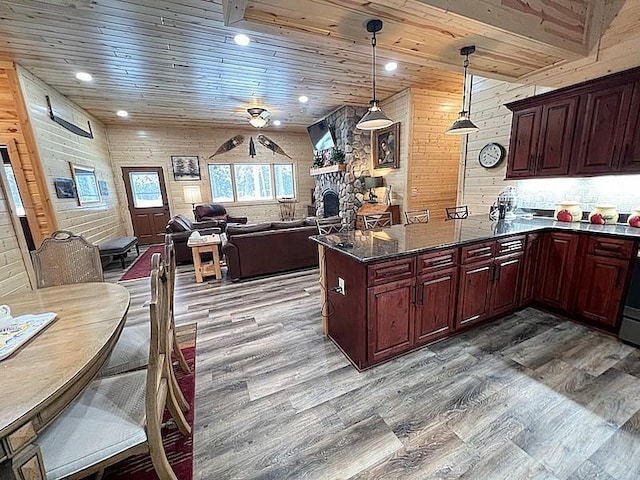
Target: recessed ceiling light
{"x":277,"y":123}
{"x":84,"y":76}
{"x":391,"y":66}
{"x":303,"y":99}
{"x":122,"y":113}
{"x":242,"y":40}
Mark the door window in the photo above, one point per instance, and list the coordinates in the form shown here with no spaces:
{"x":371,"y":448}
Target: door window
{"x":145,"y":189}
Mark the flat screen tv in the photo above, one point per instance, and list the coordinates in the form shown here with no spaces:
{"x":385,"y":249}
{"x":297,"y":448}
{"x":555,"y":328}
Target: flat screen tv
{"x":321,"y":137}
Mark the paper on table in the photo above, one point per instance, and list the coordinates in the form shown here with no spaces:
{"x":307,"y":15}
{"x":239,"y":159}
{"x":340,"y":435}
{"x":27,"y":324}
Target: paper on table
{"x":17,"y":331}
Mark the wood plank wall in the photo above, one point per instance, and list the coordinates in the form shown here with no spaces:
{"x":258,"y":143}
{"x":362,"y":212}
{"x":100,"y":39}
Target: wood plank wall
{"x":615,"y":52}
{"x":432,"y":180}
{"x":154,"y":146}
{"x":59,"y":147}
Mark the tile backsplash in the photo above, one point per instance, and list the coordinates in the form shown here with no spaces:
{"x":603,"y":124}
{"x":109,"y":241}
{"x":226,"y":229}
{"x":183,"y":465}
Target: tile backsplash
{"x":623,"y":191}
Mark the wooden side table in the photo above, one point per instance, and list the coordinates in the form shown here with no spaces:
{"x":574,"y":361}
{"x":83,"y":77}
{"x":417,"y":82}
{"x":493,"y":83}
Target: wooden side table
{"x":207,"y":243}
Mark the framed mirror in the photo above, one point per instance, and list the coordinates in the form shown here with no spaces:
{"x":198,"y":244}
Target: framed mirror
{"x":86,"y":184}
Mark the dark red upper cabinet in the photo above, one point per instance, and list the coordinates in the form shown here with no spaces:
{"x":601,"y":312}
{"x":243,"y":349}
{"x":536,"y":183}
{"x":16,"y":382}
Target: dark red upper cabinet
{"x":604,"y":118}
{"x":592,"y":128}
{"x":556,"y":137}
{"x":630,"y":157}
{"x":523,"y":149}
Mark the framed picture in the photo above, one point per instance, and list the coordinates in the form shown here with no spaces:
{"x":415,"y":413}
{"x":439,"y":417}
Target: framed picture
{"x":386,"y":147}
{"x":65,"y":188}
{"x":185,"y":168}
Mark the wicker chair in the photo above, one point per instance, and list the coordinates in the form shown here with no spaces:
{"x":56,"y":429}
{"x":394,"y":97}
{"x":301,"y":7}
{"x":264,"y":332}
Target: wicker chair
{"x":66,"y":258}
{"x":377,"y":220}
{"x":119,"y":416}
{"x":416,"y":216}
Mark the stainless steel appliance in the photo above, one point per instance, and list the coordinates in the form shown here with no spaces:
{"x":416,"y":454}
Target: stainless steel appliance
{"x":630,"y":327}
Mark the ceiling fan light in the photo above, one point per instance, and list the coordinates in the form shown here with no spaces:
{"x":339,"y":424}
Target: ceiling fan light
{"x":462,"y":125}
{"x":374,"y":119}
{"x":258,"y":122}
{"x":259,"y":117}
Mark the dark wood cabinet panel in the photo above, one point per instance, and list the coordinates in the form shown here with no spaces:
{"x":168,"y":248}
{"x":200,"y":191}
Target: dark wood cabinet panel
{"x":393,"y":270}
{"x":505,"y":293}
{"x":603,"y":119}
{"x":390,"y":319}
{"x":630,"y":158}
{"x":556,"y":137}
{"x":478,"y":252}
{"x":557,"y":261}
{"x":523,"y":148}
{"x":600,"y":288}
{"x":531,"y":263}
{"x":435,"y":304}
{"x":474,"y":298}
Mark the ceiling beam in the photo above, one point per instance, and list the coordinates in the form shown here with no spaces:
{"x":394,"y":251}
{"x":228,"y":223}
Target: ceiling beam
{"x":562,"y":24}
{"x":233,"y":11}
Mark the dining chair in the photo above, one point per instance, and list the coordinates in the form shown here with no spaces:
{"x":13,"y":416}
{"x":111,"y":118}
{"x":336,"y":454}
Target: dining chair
{"x":457,"y":212}
{"x":377,"y":220}
{"x":416,"y":216}
{"x":131,"y":352}
{"x":66,"y":258}
{"x":329,"y":228}
{"x":120,"y":416}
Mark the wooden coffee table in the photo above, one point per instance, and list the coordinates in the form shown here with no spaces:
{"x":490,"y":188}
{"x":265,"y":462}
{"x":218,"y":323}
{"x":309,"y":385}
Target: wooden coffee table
{"x":207,"y":243}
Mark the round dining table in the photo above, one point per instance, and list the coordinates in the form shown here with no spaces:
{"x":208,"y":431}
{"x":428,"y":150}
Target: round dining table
{"x":45,"y":374}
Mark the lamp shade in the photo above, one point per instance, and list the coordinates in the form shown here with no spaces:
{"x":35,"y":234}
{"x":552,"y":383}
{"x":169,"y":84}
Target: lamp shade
{"x":373,"y":182}
{"x":192,"y":194}
{"x":258,"y":122}
{"x":374,"y":119}
{"x":462,"y":126}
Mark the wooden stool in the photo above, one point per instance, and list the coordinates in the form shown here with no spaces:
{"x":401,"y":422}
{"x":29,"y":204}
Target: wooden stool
{"x":207,"y":243}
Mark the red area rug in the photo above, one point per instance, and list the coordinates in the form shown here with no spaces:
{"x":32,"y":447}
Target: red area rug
{"x":141,"y":267}
{"x":179,"y":449}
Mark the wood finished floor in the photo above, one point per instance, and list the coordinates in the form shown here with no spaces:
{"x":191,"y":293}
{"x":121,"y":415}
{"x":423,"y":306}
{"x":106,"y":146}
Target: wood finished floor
{"x":528,"y":396}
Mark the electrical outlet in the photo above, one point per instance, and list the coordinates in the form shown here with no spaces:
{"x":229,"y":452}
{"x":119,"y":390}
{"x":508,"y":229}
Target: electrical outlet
{"x":341,"y":286}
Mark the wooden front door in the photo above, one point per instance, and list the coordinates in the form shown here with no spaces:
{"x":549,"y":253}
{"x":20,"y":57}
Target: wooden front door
{"x":148,"y":203}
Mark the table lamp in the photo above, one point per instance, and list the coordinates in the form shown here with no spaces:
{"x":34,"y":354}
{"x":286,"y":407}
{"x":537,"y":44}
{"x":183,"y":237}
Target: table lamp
{"x":192,"y":195}
{"x":371,"y":183}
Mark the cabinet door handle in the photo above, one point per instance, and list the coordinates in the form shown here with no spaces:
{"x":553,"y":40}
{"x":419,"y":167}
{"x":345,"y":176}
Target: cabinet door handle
{"x":498,"y":273}
{"x":414,"y":294}
{"x":540,"y":157}
{"x":420,"y":299}
{"x":492,"y":273}
{"x":615,"y":150}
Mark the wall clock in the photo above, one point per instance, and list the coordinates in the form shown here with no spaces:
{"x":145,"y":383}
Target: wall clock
{"x":491,"y":155}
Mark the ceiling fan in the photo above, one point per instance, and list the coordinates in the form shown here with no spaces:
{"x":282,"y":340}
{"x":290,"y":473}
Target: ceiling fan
{"x":259,"y":117}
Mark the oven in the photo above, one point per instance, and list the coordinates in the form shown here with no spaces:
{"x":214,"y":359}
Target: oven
{"x":630,"y":326}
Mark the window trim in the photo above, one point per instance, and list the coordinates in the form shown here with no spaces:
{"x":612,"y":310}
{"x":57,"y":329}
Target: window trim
{"x":272,"y":176}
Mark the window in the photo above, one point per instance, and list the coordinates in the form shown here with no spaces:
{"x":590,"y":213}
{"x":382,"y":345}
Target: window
{"x":86,"y":184}
{"x":145,"y":189}
{"x":246,"y":182}
{"x":13,"y":187}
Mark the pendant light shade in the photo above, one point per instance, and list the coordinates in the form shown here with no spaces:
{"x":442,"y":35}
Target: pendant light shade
{"x":463,"y":125}
{"x":375,"y":117}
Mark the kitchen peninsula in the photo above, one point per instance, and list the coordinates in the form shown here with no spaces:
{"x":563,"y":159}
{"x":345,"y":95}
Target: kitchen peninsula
{"x":389,"y":291}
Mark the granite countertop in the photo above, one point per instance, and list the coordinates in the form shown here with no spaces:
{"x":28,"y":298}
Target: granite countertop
{"x":405,"y":240}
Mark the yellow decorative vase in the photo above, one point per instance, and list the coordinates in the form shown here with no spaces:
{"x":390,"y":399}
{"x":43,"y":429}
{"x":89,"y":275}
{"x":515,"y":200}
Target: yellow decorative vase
{"x":634,"y":218}
{"x":568,"y":211}
{"x":604,"y":214}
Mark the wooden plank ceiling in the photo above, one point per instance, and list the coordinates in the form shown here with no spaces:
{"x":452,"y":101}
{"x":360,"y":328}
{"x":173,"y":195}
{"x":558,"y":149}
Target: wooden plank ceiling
{"x":176,"y":61}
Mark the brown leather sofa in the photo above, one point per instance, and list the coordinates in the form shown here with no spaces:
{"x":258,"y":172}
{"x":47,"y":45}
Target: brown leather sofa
{"x":265,"y":248}
{"x":180,"y":228}
{"x":214,"y":212}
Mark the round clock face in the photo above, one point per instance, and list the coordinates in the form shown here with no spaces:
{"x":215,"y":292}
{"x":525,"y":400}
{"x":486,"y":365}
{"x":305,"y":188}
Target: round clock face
{"x":491,"y":155}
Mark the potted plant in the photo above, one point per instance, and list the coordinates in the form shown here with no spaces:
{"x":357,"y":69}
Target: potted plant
{"x":337,"y":155}
{"x":317,"y":160}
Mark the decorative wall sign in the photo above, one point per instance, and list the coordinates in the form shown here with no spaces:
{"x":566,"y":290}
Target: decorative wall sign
{"x":65,"y":188}
{"x":228,"y":145}
{"x":386,"y":147}
{"x":271,"y":145}
{"x":185,"y":168}
{"x":68,"y":125}
{"x":252,"y":148}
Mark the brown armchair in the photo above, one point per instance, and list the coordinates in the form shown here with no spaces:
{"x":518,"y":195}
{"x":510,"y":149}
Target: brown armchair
{"x":215,"y":212}
{"x":180,"y":229}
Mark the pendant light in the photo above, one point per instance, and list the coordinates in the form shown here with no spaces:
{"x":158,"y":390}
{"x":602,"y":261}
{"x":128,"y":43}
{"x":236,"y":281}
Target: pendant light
{"x":463,"y":125}
{"x":375,"y":117}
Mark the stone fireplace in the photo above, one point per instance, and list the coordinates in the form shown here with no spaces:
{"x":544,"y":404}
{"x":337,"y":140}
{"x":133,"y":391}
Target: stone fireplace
{"x":344,"y":181}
